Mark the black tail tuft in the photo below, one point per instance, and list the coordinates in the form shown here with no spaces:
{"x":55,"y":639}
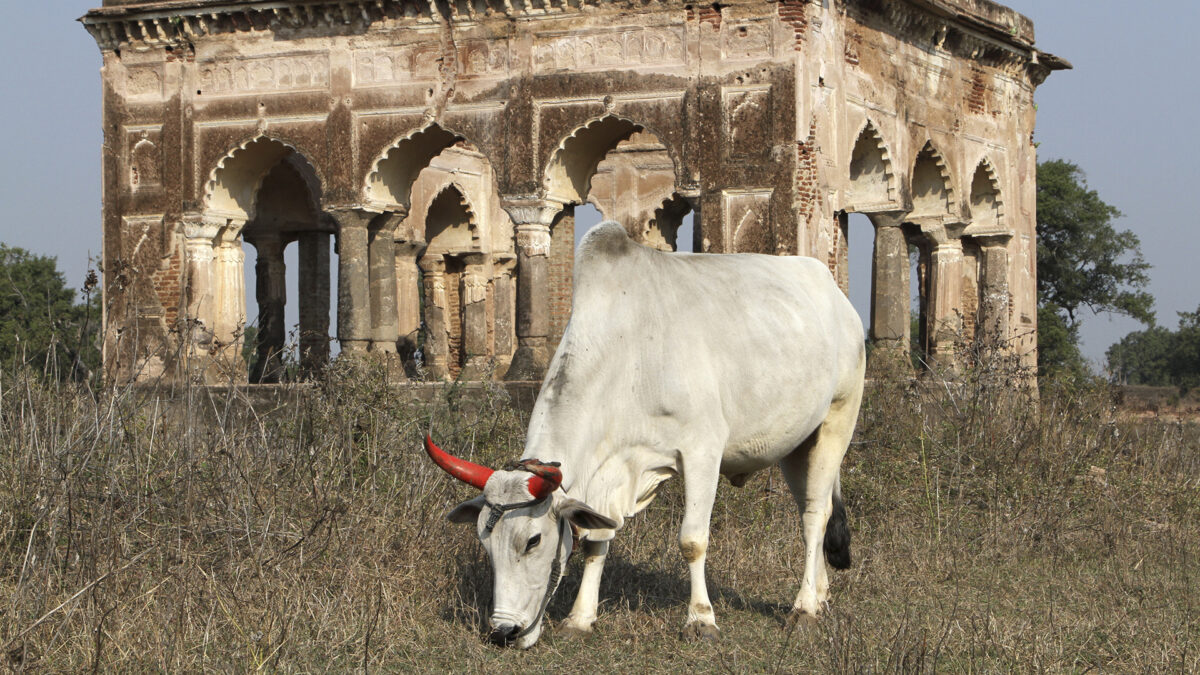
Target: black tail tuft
{"x":837,"y":536}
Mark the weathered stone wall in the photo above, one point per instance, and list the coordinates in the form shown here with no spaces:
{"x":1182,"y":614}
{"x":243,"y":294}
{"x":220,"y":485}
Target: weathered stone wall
{"x":775,"y":118}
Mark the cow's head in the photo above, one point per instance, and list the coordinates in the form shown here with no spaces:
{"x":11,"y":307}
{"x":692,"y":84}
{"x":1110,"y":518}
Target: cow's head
{"x":524,"y":523}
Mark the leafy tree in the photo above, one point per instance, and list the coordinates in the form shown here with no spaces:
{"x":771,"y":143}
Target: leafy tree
{"x":1184,"y":360}
{"x":1083,"y":263}
{"x":1160,"y":357}
{"x":40,"y":323}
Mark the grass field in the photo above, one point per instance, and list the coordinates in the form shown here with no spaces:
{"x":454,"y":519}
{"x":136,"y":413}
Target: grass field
{"x":139,"y":533}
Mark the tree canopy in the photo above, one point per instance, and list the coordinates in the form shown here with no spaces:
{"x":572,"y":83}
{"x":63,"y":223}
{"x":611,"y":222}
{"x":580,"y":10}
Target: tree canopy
{"x":1158,"y":356}
{"x":1083,"y":263}
{"x":41,"y":325}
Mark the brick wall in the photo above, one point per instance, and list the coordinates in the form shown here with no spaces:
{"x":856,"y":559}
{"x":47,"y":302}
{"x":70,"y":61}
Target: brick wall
{"x":454,"y":323}
{"x":168,"y":285}
{"x":561,"y":269}
{"x":791,"y":12}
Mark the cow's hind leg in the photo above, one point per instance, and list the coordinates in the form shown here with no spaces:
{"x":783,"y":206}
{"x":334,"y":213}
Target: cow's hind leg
{"x":811,"y":472}
{"x":583,"y":612}
{"x":700,"y":490}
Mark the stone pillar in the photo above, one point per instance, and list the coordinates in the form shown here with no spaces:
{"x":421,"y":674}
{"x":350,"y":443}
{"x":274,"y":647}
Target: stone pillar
{"x":270,"y":290}
{"x":230,"y":320}
{"x":945,"y":303}
{"x":473,"y":294}
{"x":532,"y":219}
{"x":314,"y":301}
{"x":354,"y":290}
{"x":408,"y":297}
{"x":994,"y":295}
{"x":437,"y":339}
{"x":384,"y":310}
{"x":504,"y":301}
{"x":890,"y":324}
{"x":700,"y":241}
{"x":199,"y":234}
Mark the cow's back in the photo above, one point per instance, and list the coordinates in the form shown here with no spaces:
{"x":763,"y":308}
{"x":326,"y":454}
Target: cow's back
{"x":664,"y":350}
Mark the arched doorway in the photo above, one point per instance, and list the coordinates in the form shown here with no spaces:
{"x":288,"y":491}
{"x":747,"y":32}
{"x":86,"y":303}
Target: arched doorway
{"x":872,"y":252}
{"x":269,"y":196}
{"x":622,"y":171}
{"x":454,"y":257}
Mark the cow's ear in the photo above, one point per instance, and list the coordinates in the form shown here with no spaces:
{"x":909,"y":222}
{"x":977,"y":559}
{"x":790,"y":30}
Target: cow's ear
{"x":466,"y":512}
{"x":582,"y":515}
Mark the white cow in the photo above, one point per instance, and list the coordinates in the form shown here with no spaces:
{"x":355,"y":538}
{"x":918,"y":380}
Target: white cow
{"x":691,"y":365}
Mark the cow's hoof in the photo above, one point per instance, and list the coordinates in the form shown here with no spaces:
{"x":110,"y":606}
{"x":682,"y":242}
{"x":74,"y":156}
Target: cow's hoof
{"x":573,"y":630}
{"x":800,"y":619}
{"x":701,"y":631}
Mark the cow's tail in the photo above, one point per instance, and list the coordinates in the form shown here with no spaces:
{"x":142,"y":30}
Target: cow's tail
{"x":837,"y":532}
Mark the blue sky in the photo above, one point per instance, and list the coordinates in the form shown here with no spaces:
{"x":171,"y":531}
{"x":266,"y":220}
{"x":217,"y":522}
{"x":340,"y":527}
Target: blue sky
{"x":1124,"y":114}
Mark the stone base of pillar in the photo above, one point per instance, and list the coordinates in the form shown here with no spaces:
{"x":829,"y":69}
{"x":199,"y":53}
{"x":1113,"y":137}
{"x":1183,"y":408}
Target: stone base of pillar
{"x":478,"y":368}
{"x":355,"y":347}
{"x":889,"y":359}
{"x":946,"y":362}
{"x":530,"y":361}
{"x":393,"y":366}
{"x":382,"y":347}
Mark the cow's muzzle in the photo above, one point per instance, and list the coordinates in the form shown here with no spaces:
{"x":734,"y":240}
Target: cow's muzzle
{"x":504,"y":634}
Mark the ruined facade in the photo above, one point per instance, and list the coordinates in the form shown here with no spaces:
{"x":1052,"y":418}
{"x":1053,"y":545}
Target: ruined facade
{"x":445,"y":145}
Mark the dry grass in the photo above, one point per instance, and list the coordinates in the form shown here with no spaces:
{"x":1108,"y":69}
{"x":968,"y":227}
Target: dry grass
{"x":187,"y":534}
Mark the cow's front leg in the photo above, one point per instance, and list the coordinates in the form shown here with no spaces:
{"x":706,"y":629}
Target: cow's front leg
{"x":700,"y":489}
{"x":583,"y":612}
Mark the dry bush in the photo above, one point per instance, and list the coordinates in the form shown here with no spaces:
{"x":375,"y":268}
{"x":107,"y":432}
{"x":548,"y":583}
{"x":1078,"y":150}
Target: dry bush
{"x":205,"y":530}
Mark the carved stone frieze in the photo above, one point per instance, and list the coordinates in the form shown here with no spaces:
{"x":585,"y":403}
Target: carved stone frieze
{"x":144,"y":82}
{"x":233,"y":77}
{"x":605,"y":48}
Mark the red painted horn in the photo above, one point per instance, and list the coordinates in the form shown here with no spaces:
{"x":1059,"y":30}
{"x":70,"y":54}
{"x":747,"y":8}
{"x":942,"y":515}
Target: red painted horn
{"x":467,"y":472}
{"x":545,"y":479}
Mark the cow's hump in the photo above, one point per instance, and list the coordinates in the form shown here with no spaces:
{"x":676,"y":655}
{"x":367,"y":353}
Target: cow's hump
{"x":606,"y":241}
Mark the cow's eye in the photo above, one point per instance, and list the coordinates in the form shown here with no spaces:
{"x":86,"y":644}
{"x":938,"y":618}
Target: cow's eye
{"x":533,"y":541}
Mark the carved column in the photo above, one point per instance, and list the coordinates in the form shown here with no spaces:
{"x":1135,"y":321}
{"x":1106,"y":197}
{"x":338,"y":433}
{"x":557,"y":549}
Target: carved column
{"x":945,"y":302}
{"x":994,"y":295}
{"x":504,"y":300}
{"x":199,"y":234}
{"x":384,"y":310}
{"x":408,"y":297}
{"x":354,"y":291}
{"x":473,"y":294}
{"x":890,"y":325}
{"x":437,"y":339}
{"x":532,"y":219}
{"x":314,"y":301}
{"x":230,"y":319}
{"x":270,"y":290}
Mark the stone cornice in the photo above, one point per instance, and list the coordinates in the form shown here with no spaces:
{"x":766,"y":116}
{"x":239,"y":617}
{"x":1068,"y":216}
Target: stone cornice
{"x":177,"y":22}
{"x":979,"y":30}
{"x":976,"y":29}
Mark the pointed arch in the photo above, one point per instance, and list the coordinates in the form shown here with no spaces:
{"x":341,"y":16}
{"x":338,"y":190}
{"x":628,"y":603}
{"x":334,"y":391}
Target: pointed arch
{"x":932,"y":189}
{"x":872,"y":180}
{"x":568,"y":174}
{"x":288,"y":198}
{"x":987,"y":206}
{"x":233,"y":185}
{"x":631,"y":181}
{"x":451,"y":224}
{"x":145,"y":166}
{"x":662,"y":231}
{"x":390,"y":180}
